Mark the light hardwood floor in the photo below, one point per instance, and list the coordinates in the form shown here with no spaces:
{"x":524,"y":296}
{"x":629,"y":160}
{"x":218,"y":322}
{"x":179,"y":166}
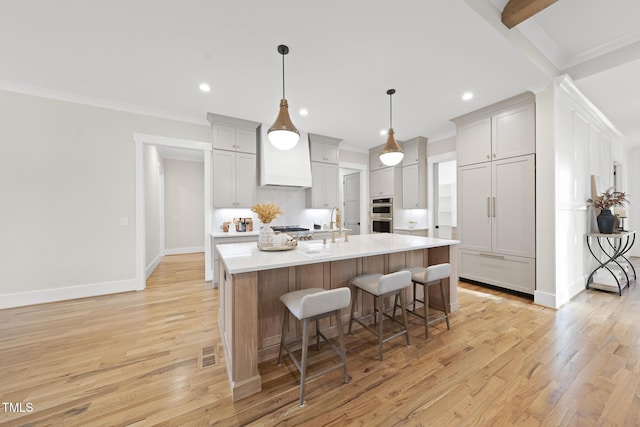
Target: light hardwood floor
{"x":154,"y":358}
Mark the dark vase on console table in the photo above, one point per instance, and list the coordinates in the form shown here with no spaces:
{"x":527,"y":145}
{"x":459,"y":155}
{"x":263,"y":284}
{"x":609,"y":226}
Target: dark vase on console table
{"x":606,"y":221}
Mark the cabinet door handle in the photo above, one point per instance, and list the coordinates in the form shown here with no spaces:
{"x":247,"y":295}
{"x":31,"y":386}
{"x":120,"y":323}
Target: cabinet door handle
{"x":491,"y":256}
{"x":488,"y":207}
{"x":488,"y":156}
{"x":494,"y":207}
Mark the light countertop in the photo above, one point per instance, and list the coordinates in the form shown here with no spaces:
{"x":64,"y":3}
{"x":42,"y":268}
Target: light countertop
{"x":246,"y":257}
{"x":218,"y":234}
{"x":410,"y":229}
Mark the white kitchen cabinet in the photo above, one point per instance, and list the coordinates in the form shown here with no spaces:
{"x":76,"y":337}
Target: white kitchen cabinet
{"x":496,"y":194}
{"x":507,"y":133}
{"x":497,"y":210}
{"x":474,"y":206}
{"x":415,"y":151}
{"x":414,"y":192}
{"x":474,"y":142}
{"x":383,"y":181}
{"x":374,"y":159}
{"x":234,"y":134}
{"x":513,"y":206}
{"x":234,"y":179}
{"x":509,"y":272}
{"x":323,"y":193}
{"x":414,"y":174}
{"x":411,"y":231}
{"x":496,"y":219}
{"x":324,"y":149}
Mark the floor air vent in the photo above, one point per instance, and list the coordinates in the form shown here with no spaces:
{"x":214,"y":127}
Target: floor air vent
{"x":208,"y":356}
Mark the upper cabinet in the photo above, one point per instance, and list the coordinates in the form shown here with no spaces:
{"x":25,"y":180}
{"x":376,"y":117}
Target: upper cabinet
{"x":234,"y":134}
{"x":324,"y":149}
{"x":501,"y":135}
{"x":234,"y":179}
{"x":415,"y":151}
{"x":374,"y":159}
{"x":414,"y":173}
{"x":323,"y":193}
{"x":235,"y":143}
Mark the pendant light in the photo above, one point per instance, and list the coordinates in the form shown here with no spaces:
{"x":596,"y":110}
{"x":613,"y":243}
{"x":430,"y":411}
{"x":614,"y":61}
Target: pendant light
{"x":283,"y":134}
{"x":391,"y":153}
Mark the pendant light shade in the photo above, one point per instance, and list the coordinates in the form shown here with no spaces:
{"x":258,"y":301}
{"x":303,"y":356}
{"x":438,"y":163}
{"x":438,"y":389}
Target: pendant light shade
{"x":391,"y":153}
{"x":283,"y":134}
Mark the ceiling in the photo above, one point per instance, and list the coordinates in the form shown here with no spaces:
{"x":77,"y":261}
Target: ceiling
{"x":149,"y":56}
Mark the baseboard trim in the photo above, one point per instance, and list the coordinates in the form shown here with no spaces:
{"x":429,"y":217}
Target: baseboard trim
{"x":187,"y":250}
{"x":154,"y":264}
{"x":22,"y":299}
{"x":545,"y":299}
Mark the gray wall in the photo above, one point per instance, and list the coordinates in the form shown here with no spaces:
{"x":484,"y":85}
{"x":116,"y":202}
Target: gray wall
{"x":68,"y":177}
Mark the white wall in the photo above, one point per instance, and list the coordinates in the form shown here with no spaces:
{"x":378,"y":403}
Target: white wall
{"x":574,"y":141}
{"x":184,"y":201}
{"x":68,"y":178}
{"x":633,"y":210}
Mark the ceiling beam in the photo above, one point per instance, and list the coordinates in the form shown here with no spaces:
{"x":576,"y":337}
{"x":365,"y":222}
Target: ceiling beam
{"x":517,"y":11}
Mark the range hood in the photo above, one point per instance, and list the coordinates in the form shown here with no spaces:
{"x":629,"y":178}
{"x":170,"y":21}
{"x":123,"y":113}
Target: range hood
{"x":290,"y":168}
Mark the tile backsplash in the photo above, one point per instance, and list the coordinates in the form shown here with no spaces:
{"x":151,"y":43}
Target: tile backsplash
{"x":292,"y":202}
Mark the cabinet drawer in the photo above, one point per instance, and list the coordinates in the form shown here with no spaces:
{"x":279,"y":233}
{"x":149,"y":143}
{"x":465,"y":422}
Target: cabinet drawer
{"x":510,"y":272}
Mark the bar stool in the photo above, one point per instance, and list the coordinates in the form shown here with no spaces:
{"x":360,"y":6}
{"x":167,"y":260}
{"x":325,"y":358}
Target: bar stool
{"x":430,"y":276}
{"x":380,"y":286}
{"x":314,"y":304}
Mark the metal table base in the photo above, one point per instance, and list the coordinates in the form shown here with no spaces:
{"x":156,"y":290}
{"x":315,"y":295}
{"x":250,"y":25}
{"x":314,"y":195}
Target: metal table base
{"x":613,"y":247}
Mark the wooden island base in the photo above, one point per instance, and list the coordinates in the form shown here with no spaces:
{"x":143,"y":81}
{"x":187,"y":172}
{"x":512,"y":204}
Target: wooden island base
{"x":251,"y":314}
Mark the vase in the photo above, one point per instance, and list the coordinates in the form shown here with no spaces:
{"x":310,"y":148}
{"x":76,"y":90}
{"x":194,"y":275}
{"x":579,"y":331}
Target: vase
{"x":265,"y":237}
{"x":606,"y":221}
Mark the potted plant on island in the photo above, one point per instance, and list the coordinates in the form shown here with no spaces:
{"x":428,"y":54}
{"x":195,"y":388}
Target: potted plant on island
{"x":605,"y":201}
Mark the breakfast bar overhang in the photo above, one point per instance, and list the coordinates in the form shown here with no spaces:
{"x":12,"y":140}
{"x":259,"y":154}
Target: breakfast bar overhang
{"x":250,"y":313}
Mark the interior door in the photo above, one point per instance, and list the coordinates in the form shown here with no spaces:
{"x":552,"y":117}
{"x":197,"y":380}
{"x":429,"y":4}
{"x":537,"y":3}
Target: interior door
{"x":351,"y":191}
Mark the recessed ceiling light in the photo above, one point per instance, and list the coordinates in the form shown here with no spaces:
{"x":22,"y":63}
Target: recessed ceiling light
{"x":205,"y":87}
{"x":467,"y":96}
{"x":303,"y":112}
{"x":384,"y":132}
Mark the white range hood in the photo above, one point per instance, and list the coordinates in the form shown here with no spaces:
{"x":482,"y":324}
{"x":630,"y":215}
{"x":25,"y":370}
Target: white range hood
{"x":290,"y":168}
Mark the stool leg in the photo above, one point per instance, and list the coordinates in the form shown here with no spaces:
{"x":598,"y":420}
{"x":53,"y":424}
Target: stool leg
{"x":282,"y":336}
{"x":380,"y":303}
{"x":414,"y":296}
{"x":404,"y":315}
{"x":353,"y":307}
{"x":426,"y":312}
{"x":343,"y":351}
{"x":317,"y":335}
{"x":303,"y":371}
{"x":444,"y":303}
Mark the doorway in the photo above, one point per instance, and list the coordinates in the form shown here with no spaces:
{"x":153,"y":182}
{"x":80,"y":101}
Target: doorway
{"x":351,"y":202}
{"x":445,"y":198}
{"x":141,"y":140}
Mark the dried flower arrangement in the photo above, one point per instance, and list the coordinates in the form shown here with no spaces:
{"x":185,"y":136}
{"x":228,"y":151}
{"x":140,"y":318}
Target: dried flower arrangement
{"x":609,"y":199}
{"x":266,"y":212}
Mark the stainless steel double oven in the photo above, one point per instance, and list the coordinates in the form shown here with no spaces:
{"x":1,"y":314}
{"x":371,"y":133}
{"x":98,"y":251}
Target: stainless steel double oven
{"x":381,"y":215}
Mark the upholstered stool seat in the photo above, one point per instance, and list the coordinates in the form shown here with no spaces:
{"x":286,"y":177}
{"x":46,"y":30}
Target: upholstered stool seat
{"x":380,"y":286}
{"x":314,"y":304}
{"x":429,"y":276}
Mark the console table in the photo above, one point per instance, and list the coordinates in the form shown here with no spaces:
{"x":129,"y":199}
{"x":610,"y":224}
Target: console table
{"x":613,"y":247}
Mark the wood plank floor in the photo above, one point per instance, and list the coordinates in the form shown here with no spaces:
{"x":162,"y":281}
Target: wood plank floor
{"x":154,"y":358}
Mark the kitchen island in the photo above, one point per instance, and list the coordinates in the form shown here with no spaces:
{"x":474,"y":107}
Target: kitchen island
{"x":252,"y":281}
